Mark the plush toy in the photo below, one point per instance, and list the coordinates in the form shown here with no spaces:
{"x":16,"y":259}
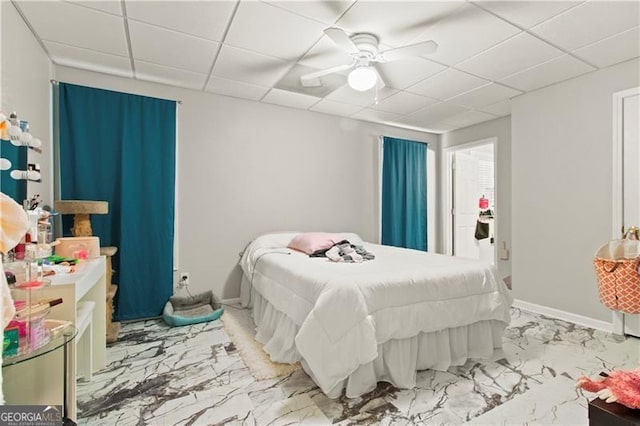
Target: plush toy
{"x":618,"y":386}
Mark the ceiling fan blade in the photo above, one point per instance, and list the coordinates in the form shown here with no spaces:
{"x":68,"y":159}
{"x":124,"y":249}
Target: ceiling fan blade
{"x":313,"y":79}
{"x":418,"y":49}
{"x":381,"y":82}
{"x":341,"y":38}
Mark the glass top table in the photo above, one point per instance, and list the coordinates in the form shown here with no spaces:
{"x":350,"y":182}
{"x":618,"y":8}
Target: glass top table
{"x":56,"y":342}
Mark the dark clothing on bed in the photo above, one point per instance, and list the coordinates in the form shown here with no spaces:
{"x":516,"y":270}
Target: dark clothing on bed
{"x":344,"y":251}
{"x":323,"y":252}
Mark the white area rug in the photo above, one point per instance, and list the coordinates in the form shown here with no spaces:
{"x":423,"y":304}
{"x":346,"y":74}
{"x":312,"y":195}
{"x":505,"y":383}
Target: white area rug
{"x":239,"y":326}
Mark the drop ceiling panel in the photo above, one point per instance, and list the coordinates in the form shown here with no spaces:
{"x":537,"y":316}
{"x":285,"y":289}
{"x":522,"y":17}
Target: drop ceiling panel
{"x":237,"y":89}
{"x":250,"y":67}
{"x":485,"y":95}
{"x":553,"y":71}
{"x":75,"y":25}
{"x":526,"y":13}
{"x":446,"y":84}
{"x":289,"y":99}
{"x":376,"y":116}
{"x":167,"y":75}
{"x":336,"y":108}
{"x":441,"y":127}
{"x":267,"y":29}
{"x":403,"y":103}
{"x":111,"y":6}
{"x":437,"y":113}
{"x":499,"y":109}
{"x":412,"y":123}
{"x":465,"y":33}
{"x":91,"y":60}
{"x":350,"y":96}
{"x":206,"y":19}
{"x":468,"y":118}
{"x":406,"y":72}
{"x":516,"y":54}
{"x":612,"y":50}
{"x":589,"y":22}
{"x":321,"y":10}
{"x":325,"y":54}
{"x":165,"y":47}
{"x":394,"y":24}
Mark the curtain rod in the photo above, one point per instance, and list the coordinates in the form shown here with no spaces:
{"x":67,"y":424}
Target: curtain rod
{"x":56,"y":82}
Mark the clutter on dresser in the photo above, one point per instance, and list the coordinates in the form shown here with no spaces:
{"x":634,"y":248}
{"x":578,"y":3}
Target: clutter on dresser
{"x":25,"y":271}
{"x":30,"y":328}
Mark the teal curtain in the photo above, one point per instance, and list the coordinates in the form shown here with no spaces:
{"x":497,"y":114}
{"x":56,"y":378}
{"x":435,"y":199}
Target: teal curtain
{"x":121,"y":148}
{"x":16,"y":189}
{"x":404,"y":193}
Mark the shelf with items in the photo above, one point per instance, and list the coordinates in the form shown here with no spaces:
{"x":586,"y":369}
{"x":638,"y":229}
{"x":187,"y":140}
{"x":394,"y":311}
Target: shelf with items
{"x":30,"y":329}
{"x":58,"y":339}
{"x":16,"y":141}
{"x":26,"y":331}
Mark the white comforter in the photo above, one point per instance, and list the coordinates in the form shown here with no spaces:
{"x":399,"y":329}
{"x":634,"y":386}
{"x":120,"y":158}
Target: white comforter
{"x":345,"y":310}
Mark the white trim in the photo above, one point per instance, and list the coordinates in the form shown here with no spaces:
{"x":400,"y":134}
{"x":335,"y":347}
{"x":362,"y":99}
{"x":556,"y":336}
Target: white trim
{"x":617,"y":178}
{"x":176,"y":201}
{"x":232,"y":301}
{"x":617,"y":323}
{"x":564,"y":315}
{"x":380,"y":159}
{"x":445,"y":188}
{"x":616,"y":189}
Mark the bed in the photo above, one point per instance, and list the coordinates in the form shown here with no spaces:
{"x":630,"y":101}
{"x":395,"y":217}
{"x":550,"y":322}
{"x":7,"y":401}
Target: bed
{"x":352,"y":325}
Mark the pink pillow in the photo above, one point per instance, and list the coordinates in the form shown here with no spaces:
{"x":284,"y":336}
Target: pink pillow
{"x":313,"y":241}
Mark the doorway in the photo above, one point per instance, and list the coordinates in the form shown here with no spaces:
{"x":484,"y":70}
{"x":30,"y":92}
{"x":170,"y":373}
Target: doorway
{"x":470,"y":200}
{"x":626,"y":168}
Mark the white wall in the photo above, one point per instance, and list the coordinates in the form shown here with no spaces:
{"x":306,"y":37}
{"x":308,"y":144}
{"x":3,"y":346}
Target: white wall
{"x":26,"y":71}
{"x":246,"y":168}
{"x":501,"y":130}
{"x":562,"y":178}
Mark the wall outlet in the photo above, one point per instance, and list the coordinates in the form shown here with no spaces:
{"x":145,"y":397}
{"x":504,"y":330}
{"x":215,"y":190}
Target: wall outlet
{"x":504,"y":252}
{"x":184,"y":279}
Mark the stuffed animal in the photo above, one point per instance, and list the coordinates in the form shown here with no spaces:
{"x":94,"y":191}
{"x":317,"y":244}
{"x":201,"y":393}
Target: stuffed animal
{"x":618,"y":386}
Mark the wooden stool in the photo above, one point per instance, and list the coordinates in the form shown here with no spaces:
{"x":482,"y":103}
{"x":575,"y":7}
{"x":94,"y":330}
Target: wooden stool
{"x":113,"y":328}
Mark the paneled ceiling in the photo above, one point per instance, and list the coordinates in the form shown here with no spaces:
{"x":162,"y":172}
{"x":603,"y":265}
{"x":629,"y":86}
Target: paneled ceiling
{"x":489,"y":51}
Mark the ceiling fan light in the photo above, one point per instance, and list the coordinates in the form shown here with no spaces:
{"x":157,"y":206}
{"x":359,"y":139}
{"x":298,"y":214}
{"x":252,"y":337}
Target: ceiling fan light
{"x":362,"y":78}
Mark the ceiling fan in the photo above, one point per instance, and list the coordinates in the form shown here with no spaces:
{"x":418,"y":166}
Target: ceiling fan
{"x":363,"y":48}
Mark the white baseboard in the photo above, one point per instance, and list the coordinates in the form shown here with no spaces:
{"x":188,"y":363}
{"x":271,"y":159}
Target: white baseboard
{"x":564,"y":315}
{"x":232,"y":301}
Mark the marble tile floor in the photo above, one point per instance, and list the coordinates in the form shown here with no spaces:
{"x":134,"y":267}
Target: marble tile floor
{"x":193,"y":375}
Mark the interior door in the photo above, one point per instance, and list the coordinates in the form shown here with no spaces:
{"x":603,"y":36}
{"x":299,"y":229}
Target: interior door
{"x":631,"y":181}
{"x":465,"y":205}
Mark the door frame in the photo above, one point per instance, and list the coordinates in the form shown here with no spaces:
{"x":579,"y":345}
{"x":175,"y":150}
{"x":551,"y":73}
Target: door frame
{"x":447,"y":193}
{"x":616,"y":188}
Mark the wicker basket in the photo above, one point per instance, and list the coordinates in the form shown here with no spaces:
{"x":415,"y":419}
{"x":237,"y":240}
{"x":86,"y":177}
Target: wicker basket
{"x":616,"y":264}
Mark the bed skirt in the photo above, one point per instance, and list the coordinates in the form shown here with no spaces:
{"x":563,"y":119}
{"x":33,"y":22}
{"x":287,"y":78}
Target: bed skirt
{"x":398,"y":359}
